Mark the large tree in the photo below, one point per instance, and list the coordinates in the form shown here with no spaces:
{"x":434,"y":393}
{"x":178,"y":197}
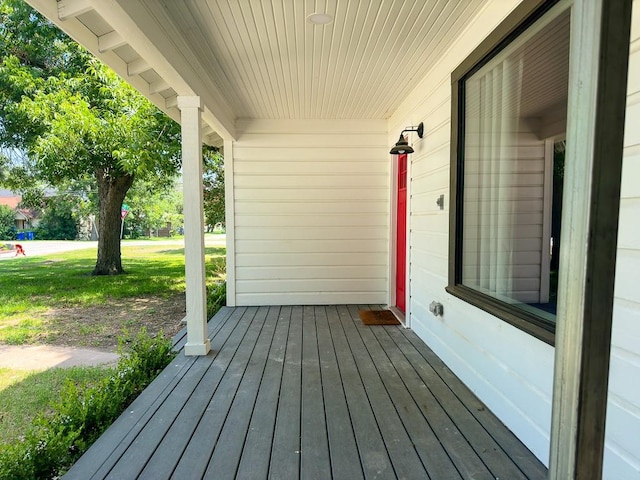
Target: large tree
{"x":77,"y":120}
{"x":213,"y":185}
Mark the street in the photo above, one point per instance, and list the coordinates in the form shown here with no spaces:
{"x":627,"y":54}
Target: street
{"x":34,"y":248}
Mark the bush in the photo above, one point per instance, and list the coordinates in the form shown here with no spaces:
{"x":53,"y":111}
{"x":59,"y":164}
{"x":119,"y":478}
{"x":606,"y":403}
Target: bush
{"x":7,"y":223}
{"x":56,"y":441}
{"x":58,"y":221}
{"x":216,"y":298}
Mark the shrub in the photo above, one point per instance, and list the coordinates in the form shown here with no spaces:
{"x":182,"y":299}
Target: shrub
{"x":7,"y":223}
{"x":58,"y":221}
{"x":56,"y":441}
{"x":216,"y":298}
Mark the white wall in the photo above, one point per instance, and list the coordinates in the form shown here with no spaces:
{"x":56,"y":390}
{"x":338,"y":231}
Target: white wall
{"x":311,"y":212}
{"x":622,"y":454}
{"x":509,"y":370}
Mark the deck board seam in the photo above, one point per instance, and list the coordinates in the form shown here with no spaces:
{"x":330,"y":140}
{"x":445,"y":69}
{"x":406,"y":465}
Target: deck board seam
{"x":362,"y":328}
{"x":244,"y":324}
{"x":284,"y":356}
{"x":428,"y":355}
{"x":145,"y":415}
{"x":340,"y":333}
{"x":373,"y":382}
{"x":366,"y":393}
{"x":222,"y":382}
{"x":344,"y":400}
{"x":261,"y":388}
{"x":268,"y":329}
{"x":437,"y":399}
{"x":449,"y":449}
{"x":213,"y":356}
{"x":194,"y":362}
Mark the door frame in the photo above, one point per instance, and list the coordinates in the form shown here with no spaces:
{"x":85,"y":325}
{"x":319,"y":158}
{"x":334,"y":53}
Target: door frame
{"x":405,"y":317}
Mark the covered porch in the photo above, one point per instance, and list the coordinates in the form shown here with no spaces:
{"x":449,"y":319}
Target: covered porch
{"x":307,"y":392}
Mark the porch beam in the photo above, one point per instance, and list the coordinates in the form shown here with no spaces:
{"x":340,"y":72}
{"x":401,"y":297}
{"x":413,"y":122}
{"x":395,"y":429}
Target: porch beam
{"x":72,"y":8}
{"x":110,"y":41}
{"x":158,"y":86}
{"x":197,"y":340}
{"x":597,"y":100}
{"x":137,"y":66}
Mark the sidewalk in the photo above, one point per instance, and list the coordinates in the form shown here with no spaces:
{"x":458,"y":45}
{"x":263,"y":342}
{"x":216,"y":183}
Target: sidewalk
{"x":43,"y":357}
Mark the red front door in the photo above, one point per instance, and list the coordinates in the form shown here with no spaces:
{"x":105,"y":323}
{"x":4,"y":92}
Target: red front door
{"x":401,"y":234}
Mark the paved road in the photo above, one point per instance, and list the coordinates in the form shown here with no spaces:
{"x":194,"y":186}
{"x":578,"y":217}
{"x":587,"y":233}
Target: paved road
{"x":46,"y":247}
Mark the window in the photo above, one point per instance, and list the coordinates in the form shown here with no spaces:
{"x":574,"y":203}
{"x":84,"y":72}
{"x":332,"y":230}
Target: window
{"x":509,"y":120}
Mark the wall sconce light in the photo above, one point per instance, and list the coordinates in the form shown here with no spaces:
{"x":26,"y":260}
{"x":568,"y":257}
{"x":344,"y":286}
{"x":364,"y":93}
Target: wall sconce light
{"x":402,"y":146}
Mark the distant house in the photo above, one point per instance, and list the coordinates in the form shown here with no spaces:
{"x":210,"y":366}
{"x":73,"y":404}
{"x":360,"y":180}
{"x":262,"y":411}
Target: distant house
{"x":25,"y":218}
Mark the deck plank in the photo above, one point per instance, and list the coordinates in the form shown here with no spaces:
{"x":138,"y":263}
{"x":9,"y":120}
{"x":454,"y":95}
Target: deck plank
{"x":406,"y":461}
{"x":195,"y":458}
{"x":436,"y":374}
{"x":430,"y":430}
{"x":285,"y":453}
{"x":170,"y":448}
{"x":155,"y":452}
{"x":307,"y":392}
{"x":314,"y":443}
{"x":342,"y":443}
{"x":254,"y":463}
{"x":455,"y":416}
{"x":125,"y":430}
{"x":373,"y":455}
{"x":454,"y":444}
{"x":226,"y":454}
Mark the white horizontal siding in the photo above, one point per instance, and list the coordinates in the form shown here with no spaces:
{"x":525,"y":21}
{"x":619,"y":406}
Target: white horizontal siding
{"x":622,"y":454}
{"x":311,"y":212}
{"x":509,"y":370}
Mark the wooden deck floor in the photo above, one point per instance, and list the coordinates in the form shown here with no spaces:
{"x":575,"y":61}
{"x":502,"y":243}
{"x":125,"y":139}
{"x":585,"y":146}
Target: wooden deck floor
{"x":307,"y":392}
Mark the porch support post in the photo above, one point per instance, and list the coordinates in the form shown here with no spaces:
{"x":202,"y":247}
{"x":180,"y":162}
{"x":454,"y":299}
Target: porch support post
{"x":197,"y":340}
{"x":597,"y":100}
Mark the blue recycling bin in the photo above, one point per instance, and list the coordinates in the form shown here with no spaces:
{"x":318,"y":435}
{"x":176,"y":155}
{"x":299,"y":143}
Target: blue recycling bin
{"x":20,"y":236}
{"x":30,"y":235}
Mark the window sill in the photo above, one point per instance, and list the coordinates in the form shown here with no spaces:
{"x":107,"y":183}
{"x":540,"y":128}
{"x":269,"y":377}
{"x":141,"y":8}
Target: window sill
{"x":529,"y":323}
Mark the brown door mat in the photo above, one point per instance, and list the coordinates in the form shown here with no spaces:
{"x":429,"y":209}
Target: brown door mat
{"x":378,"y":317}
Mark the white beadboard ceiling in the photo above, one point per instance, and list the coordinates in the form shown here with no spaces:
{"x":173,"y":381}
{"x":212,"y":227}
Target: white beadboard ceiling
{"x":262,"y":58}
{"x":272,"y":63}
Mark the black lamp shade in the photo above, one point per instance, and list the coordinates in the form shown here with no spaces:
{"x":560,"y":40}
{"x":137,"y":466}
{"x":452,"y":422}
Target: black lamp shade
{"x":402,"y":146}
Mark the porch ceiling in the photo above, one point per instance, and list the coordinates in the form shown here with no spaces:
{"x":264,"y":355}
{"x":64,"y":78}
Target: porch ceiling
{"x":262,"y":58}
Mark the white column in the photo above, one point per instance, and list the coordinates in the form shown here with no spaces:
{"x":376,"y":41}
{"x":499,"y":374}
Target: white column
{"x":197,"y":340}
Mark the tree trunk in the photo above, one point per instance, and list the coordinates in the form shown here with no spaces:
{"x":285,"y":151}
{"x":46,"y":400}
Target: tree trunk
{"x":111,"y":192}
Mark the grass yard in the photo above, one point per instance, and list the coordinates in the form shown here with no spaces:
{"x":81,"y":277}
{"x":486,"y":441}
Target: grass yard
{"x":24,"y":394}
{"x":54,"y":299}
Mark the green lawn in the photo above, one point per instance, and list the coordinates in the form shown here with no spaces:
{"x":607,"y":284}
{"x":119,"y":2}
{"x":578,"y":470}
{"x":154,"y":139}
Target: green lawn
{"x":24,"y":394}
{"x":29,"y":286}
